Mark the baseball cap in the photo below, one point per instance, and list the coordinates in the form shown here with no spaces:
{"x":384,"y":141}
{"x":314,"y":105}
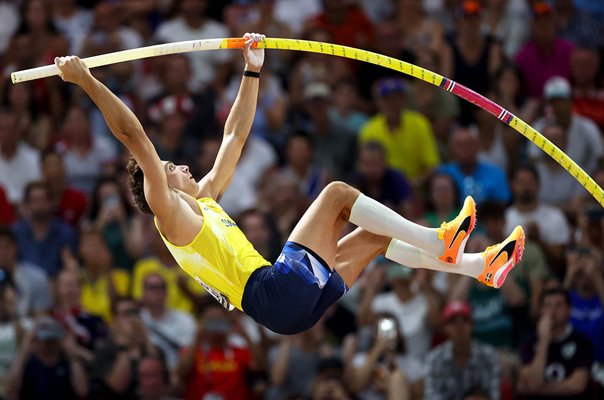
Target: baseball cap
{"x":317,"y":90}
{"x":47,"y":329}
{"x":456,"y":308}
{"x":469,"y":7}
{"x":557,"y":87}
{"x":542,"y":8}
{"x":386,"y":86}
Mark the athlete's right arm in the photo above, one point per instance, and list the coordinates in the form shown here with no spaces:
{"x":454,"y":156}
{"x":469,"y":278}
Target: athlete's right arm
{"x":127,"y":129}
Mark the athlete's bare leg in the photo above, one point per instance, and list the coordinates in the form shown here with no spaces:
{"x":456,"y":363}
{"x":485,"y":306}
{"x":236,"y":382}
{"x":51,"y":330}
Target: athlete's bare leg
{"x":321,"y":225}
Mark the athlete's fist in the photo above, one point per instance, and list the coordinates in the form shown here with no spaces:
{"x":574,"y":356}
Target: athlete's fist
{"x":254,"y":58}
{"x":72,"y":69}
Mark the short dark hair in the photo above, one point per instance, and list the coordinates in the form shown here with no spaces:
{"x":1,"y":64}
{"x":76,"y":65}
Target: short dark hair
{"x":7,"y":233}
{"x":491,"y":210}
{"x":556,"y":291}
{"x":527,"y":167}
{"x":136,"y":181}
{"x":300,"y":134}
{"x":31,"y":186}
{"x":119,"y":300}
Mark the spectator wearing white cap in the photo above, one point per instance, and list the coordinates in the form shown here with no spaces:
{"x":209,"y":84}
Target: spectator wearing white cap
{"x":582,"y":136}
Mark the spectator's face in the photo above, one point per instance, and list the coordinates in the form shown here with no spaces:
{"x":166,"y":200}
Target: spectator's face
{"x":255,"y":229}
{"x":151,"y":378}
{"x":459,"y":329}
{"x":442,"y":193}
{"x":562,"y":108}
{"x":299,"y":152}
{"x":193,"y":7}
{"x":173,"y":125}
{"x":177,"y":72}
{"x":555,"y":134}
{"x":20,"y":97}
{"x":8,"y":253}
{"x":207,"y":155}
{"x":464,"y":147}
{"x":94,"y":250}
{"x":8,"y":303}
{"x":35,"y":15}
{"x":494,"y":227}
{"x":372,"y":164}
{"x":344,"y":96}
{"x":391,"y":105}
{"x":544,"y":30}
{"x":75,"y":126}
{"x":127,"y":314}
{"x":584,"y":66}
{"x":39,"y":204}
{"x":330,"y":389}
{"x":105,"y":18}
{"x":154,"y":291}
{"x":508,"y":83}
{"x":525,"y":187}
{"x":557,"y":308}
{"x":53,"y":167}
{"x":215,"y":326}
{"x":9,"y":134}
{"x":68,"y":288}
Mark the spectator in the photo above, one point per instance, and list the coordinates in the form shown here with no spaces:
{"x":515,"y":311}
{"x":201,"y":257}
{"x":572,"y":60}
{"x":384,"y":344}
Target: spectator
{"x":73,"y":21}
{"x":86,"y":328}
{"x":578,"y":26}
{"x":13,"y":328}
{"x":508,"y":24}
{"x":41,"y":237}
{"x":152,"y":378}
{"x":48,"y":365}
{"x":69,"y":203}
{"x":384,"y":184}
{"x":420,"y":31}
{"x":496,"y":148}
{"x":345,"y":22}
{"x":299,"y":163}
{"x":191,"y":23}
{"x":470,"y":57}
{"x":293,"y":14}
{"x":101,"y":282}
{"x":294,"y":363}
{"x":545,"y":55}
{"x":406,"y":135}
{"x":545,"y":225}
{"x":373,"y":368}
{"x":507,"y":91}
{"x":112,"y":216}
{"x":413,"y":301}
{"x":558,"y":187}
{"x":117,"y":357}
{"x":15,"y":155}
{"x":584,"y":141}
{"x":556,"y":360}
{"x":9,"y":23}
{"x":86,"y":155}
{"x":34,"y":293}
{"x":212,"y":366}
{"x":346,"y":112}
{"x":585,"y":282}
{"x":7,"y":215}
{"x":184,"y":293}
{"x":481,"y":180}
{"x":443,"y":200}
{"x":282,"y":199}
{"x":461,"y":363}
{"x":588,"y":93}
{"x":169,"y":329}
{"x":260,"y":229}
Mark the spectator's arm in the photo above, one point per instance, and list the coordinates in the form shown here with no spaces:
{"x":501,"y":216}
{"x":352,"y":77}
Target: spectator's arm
{"x":14,"y":378}
{"x":186,"y":363}
{"x":362,"y":375}
{"x":78,"y":378}
{"x":574,"y":385}
{"x":430,"y":389}
{"x":460,"y":289}
{"x":278,"y":370}
{"x":119,"y":376}
{"x":513,"y":294}
{"x":532,"y":375}
{"x":398,"y":387}
{"x":372,"y":287}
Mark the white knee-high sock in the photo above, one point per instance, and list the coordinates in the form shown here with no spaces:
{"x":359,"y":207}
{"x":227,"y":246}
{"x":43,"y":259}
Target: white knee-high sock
{"x":471,"y":264}
{"x":379,"y":219}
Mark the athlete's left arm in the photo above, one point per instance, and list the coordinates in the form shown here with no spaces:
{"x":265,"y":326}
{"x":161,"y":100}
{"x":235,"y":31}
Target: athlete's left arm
{"x":237,"y":126}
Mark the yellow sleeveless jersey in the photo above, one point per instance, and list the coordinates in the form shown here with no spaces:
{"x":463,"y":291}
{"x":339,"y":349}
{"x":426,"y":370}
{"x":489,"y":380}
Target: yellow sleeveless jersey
{"x":220,"y":257}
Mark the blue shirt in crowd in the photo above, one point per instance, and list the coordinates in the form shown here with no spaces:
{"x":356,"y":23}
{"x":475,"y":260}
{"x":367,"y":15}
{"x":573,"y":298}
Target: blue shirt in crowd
{"x":45,"y":253}
{"x":587,"y":317}
{"x":487,"y":182}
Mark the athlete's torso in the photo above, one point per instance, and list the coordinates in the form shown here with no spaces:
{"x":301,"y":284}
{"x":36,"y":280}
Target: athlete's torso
{"x":220,"y":257}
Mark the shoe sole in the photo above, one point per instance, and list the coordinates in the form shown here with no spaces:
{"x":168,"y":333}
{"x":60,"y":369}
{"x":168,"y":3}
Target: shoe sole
{"x":504,"y":270}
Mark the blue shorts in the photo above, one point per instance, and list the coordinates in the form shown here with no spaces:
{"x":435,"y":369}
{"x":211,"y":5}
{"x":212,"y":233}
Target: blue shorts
{"x":293,"y":294}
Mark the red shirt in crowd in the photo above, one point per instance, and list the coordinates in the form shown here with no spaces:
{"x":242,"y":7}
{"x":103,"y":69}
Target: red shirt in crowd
{"x":356,"y":31}
{"x":7,"y":216}
{"x":221,"y":372}
{"x":590,"y":104}
{"x":73,"y":206}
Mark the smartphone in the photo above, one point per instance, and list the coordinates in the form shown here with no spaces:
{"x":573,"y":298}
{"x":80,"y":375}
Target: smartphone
{"x":387,"y":328}
{"x":112,"y":201}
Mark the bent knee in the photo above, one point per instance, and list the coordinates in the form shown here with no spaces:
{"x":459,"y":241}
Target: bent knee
{"x":340,"y":192}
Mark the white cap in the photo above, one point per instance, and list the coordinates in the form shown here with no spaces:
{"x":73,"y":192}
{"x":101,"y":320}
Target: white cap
{"x":317,"y":90}
{"x":557,"y":87}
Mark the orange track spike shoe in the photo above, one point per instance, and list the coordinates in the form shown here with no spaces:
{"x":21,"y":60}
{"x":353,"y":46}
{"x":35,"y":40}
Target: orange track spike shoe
{"x":455,"y":234}
{"x":501,"y":258}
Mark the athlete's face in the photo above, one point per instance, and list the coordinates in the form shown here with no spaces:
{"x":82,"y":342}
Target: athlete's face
{"x":180,"y":178}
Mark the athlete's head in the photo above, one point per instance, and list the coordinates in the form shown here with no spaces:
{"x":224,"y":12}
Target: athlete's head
{"x":179,"y":178}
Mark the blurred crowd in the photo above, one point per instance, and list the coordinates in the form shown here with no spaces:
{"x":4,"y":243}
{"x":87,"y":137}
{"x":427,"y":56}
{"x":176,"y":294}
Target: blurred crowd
{"x":93,"y":306}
